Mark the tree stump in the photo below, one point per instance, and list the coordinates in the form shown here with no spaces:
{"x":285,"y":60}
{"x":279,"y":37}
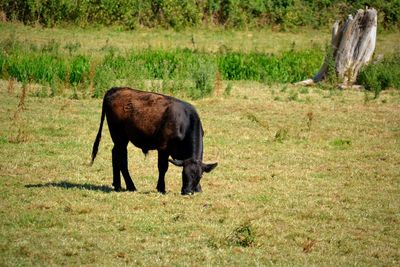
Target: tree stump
{"x":352,"y":46}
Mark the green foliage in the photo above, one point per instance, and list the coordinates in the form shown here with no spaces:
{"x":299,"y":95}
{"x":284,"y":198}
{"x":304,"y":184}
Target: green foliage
{"x":203,"y":77}
{"x":180,"y":14}
{"x":79,"y":69}
{"x":289,"y":67}
{"x":331,"y":75}
{"x":382,"y":75}
{"x":42,"y":68}
{"x":341,"y":143}
{"x":180,"y":70}
{"x":103,"y":80}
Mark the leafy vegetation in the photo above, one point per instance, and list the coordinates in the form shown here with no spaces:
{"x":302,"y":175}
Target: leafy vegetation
{"x":288,"y":67}
{"x":180,"y":14}
{"x":189,"y":71}
{"x":381,"y":75}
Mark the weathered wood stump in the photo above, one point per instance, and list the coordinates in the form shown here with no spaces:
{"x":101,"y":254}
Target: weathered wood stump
{"x":352,"y":46}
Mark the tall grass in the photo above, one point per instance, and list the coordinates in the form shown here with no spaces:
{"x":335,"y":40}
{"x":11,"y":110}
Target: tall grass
{"x":186,"y":71}
{"x":182,"y":71}
{"x":179,"y":70}
{"x":290,"y":66}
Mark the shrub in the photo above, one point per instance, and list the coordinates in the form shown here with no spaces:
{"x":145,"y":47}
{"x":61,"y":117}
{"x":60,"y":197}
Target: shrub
{"x":180,"y":14}
{"x":203,"y":77}
{"x":382,"y":75}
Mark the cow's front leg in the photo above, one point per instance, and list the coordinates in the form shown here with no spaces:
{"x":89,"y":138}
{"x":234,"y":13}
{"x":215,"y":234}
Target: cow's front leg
{"x":198,"y":188}
{"x":162,"y":169}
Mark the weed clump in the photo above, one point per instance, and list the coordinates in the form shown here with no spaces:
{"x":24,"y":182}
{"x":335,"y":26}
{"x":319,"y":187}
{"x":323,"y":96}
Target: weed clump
{"x":17,"y":124}
{"x":340,"y":144}
{"x":203,"y":78}
{"x":310,"y":118}
{"x":228,"y":89}
{"x":243,"y":236}
{"x":281,"y":135}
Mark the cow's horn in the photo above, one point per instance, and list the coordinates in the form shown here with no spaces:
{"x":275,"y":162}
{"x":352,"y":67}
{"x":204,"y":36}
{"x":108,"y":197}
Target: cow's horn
{"x":176,"y":162}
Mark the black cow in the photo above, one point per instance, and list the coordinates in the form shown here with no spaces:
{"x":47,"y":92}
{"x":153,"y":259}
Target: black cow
{"x":154,"y":122}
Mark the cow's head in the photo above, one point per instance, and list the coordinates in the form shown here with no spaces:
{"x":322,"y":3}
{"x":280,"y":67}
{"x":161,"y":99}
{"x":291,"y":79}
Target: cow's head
{"x":192,"y":172}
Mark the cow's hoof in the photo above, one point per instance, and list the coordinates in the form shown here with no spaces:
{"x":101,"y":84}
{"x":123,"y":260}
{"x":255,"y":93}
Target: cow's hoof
{"x":131,"y":189}
{"x":117,"y":189}
{"x":161,"y":191}
{"x":197,"y":189}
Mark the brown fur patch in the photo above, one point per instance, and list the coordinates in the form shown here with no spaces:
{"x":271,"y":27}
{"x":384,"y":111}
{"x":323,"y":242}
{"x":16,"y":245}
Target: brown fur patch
{"x":141,"y":113}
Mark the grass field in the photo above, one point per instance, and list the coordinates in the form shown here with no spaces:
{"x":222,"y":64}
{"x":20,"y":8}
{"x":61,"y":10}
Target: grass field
{"x":93,"y":41}
{"x":306,"y":176}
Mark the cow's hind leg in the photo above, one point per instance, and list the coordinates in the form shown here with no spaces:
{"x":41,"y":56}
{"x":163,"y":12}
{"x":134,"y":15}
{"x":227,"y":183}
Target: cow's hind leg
{"x":116,"y":169}
{"x":125,"y":172}
{"x":120,"y":163}
{"x":162,"y":169}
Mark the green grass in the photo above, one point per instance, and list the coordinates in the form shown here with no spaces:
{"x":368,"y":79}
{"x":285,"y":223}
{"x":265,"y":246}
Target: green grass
{"x":94,"y":41}
{"x":306,"y":180}
{"x":190,"y":71}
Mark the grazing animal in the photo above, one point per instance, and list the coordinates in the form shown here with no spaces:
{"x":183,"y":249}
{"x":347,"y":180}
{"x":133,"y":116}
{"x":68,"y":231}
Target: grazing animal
{"x":154,"y":121}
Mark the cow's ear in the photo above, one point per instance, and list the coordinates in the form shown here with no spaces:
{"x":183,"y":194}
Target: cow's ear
{"x":209,"y":167}
{"x":176,"y":162}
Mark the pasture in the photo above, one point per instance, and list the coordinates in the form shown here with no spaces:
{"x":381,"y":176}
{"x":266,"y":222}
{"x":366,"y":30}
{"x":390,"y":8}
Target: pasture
{"x":306,"y":176}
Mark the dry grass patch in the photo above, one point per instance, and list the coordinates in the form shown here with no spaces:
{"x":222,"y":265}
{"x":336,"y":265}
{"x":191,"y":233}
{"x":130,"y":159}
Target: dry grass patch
{"x":291,"y":188}
{"x":93,"y":41}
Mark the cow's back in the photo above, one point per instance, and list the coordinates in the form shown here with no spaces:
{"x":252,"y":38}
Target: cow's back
{"x":149,"y":120}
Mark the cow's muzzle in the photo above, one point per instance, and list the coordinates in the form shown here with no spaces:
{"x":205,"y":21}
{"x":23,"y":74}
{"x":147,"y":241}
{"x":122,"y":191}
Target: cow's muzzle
{"x":187,"y":192}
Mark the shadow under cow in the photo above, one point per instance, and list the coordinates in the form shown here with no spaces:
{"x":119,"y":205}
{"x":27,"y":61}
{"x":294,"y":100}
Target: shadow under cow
{"x":69,"y":185}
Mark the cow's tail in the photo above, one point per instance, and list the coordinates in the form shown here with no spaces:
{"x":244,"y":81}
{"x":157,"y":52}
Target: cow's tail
{"x":98,"y":137}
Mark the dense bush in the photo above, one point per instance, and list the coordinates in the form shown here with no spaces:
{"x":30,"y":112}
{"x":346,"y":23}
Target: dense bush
{"x":190,"y":13}
{"x":382,"y":75}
